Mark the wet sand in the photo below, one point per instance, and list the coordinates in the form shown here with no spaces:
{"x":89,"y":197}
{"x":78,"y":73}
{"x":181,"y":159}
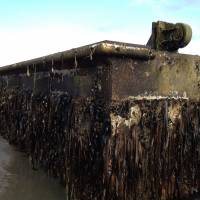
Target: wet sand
{"x":19,"y":182}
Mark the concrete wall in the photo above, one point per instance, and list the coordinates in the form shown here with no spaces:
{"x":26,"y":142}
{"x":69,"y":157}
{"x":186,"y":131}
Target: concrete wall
{"x":111,"y":127}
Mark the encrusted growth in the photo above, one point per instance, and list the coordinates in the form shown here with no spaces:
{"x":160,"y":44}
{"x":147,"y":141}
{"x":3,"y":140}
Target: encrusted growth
{"x":133,"y":149}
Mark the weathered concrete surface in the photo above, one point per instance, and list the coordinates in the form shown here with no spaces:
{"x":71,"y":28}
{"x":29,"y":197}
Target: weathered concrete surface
{"x":137,"y":149}
{"x":168,"y":74}
{"x":109,"y":126}
{"x":153,"y":152}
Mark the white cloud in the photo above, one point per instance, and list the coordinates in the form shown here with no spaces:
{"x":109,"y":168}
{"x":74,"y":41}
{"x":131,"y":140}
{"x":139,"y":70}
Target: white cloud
{"x":19,"y":45}
{"x":192,"y":48}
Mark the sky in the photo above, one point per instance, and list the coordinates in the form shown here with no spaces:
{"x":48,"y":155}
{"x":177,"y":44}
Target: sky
{"x":34,"y":28}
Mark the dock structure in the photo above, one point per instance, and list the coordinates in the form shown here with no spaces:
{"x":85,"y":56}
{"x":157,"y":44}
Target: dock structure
{"x":110,"y":120}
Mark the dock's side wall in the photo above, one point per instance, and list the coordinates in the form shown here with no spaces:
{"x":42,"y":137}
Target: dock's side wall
{"x":168,"y":74}
{"x":59,"y":118}
{"x":94,"y":127}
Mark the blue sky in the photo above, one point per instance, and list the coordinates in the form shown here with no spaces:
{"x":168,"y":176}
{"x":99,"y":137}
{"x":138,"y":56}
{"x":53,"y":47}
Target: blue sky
{"x":32,"y":28}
